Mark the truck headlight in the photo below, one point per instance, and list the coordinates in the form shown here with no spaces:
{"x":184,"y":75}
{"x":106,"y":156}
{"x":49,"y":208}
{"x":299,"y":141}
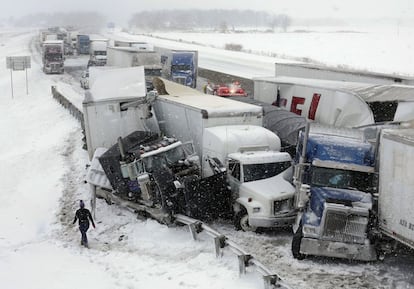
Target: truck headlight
{"x":309,"y":230}
{"x":256,"y":209}
{"x":282,"y":206}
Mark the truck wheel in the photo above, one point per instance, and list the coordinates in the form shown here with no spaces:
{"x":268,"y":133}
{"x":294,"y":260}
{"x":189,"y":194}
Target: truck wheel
{"x":241,"y":221}
{"x":296,"y":241}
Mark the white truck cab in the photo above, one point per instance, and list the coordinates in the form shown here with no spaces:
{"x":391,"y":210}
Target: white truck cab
{"x":258,"y":174}
{"x":261,"y":188}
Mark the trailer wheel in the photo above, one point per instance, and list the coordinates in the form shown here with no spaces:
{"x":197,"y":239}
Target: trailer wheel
{"x":241,"y":221}
{"x":296,"y":241}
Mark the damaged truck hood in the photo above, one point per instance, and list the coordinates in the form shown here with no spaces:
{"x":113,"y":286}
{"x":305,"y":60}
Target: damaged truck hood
{"x":274,"y":188}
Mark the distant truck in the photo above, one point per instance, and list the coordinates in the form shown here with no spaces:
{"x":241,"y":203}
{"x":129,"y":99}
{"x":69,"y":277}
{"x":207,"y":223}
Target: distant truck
{"x":72,"y":38}
{"x":353,"y":192}
{"x":180,"y":66}
{"x":53,"y":56}
{"x":82,"y":43}
{"x":98,"y":52}
{"x":228,"y":136}
{"x":132,"y":56}
{"x":139,"y":45}
{"x":336,"y":102}
{"x":70,"y":42}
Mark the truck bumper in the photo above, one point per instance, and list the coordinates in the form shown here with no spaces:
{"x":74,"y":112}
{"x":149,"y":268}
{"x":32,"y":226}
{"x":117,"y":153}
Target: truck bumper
{"x":283,"y":221}
{"x":53,"y":69}
{"x":362,"y":252}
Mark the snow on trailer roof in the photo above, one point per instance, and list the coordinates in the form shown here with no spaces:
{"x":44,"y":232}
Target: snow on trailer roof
{"x":367,"y":91}
{"x":53,"y":42}
{"x":211,"y":104}
{"x":115,"y":83}
{"x":133,"y":49}
{"x":356,"y":72}
{"x":95,"y":37}
{"x":405,"y":135}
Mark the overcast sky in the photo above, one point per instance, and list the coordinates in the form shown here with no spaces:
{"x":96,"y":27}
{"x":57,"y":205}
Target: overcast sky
{"x":122,"y":9}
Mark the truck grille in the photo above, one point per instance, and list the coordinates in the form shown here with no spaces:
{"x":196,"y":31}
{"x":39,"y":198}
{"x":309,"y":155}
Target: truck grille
{"x":55,"y":66}
{"x":343,"y":227}
{"x":283,"y":206}
{"x":180,"y":80}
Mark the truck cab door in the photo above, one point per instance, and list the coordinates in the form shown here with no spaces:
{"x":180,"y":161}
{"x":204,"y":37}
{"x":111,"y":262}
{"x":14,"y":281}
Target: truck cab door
{"x":233,"y":176}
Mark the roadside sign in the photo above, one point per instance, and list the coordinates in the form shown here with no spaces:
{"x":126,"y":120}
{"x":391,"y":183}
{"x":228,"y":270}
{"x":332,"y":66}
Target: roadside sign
{"x":18,"y":62}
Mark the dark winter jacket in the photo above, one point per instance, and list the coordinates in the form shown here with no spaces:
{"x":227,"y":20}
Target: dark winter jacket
{"x":84,"y":215}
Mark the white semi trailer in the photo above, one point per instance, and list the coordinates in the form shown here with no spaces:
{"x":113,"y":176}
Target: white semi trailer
{"x":338,"y":103}
{"x":97,"y":52}
{"x":115,"y":106}
{"x":127,"y":56}
{"x":314,"y":71}
{"x":396,"y":185}
{"x":140,"y":45}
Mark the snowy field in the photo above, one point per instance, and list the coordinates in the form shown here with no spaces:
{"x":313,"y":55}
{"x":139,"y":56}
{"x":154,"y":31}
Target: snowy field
{"x":381,"y":49}
{"x":42,"y":176}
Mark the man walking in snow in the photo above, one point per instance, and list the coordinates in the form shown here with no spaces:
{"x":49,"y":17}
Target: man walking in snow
{"x":83,"y":215}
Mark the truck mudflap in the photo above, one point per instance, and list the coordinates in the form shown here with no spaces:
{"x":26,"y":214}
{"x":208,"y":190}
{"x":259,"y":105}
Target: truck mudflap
{"x":361,"y":252}
{"x":207,"y":198}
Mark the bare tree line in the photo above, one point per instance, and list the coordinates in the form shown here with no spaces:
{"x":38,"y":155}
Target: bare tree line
{"x":219,"y":19}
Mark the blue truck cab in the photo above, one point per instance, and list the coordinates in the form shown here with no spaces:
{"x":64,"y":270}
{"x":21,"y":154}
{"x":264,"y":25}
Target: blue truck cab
{"x":334,"y":177}
{"x":82,"y":44}
{"x":181,"y":66}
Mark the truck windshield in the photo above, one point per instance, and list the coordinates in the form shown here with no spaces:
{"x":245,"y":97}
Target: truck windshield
{"x":254,"y":172}
{"x":100,"y":52}
{"x":54,"y":57}
{"x":152,"y":72}
{"x":180,"y":67}
{"x":343,"y":179}
{"x":164,"y":159}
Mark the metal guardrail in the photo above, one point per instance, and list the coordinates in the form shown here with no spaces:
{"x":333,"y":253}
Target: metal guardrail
{"x":67,"y":104}
{"x":271,"y":279}
{"x":72,"y":109}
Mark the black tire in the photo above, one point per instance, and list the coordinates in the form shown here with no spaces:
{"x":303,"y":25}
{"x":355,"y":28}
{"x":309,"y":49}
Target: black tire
{"x":296,"y":241}
{"x":241,"y":221}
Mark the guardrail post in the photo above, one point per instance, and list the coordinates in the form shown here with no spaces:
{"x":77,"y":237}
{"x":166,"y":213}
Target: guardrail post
{"x":270,"y":281}
{"x":195,"y":228}
{"x":243,"y":263}
{"x":219,"y":243}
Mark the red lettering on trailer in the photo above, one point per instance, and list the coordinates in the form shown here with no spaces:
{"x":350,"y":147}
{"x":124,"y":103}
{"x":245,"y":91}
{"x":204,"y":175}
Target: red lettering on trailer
{"x":282,"y":102}
{"x":314,"y":105}
{"x":295,"y":102}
